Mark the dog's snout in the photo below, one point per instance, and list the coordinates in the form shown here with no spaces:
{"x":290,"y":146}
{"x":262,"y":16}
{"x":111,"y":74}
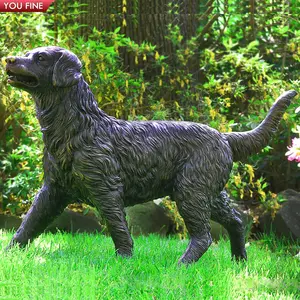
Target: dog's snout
{"x":10,"y":59}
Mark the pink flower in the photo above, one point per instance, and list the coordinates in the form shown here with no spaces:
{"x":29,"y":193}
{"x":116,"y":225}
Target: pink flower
{"x":294,"y":150}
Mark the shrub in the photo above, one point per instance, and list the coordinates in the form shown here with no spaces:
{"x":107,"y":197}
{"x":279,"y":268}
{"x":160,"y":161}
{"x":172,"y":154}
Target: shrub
{"x":234,"y":88}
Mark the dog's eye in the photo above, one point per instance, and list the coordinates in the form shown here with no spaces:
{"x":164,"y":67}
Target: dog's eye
{"x":41,"y":58}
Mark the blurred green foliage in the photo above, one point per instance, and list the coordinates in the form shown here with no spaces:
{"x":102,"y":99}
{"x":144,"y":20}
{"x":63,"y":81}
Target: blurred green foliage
{"x":238,"y":77}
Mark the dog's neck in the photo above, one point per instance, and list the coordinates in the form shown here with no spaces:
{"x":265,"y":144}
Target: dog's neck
{"x":64,"y":114}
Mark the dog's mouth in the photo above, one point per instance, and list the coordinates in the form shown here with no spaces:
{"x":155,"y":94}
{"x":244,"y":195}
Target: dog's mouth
{"x":23,"y":79}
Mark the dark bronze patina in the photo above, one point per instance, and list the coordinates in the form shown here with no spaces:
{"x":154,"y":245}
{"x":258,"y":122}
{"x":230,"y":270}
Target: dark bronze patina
{"x":113,"y":163}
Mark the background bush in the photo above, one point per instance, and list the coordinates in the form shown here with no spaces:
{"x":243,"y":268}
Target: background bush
{"x":226,"y":75}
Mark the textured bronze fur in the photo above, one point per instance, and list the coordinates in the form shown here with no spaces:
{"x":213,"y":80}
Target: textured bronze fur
{"x":110,"y":163}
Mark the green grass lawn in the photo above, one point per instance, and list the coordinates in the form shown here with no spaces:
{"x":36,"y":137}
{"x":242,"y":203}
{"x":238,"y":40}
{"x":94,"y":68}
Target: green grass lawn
{"x":82,"y":266}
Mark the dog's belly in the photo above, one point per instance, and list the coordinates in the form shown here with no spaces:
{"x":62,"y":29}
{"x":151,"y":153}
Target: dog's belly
{"x":140,"y":189}
{"x":147,"y":174}
{"x":138,"y":194}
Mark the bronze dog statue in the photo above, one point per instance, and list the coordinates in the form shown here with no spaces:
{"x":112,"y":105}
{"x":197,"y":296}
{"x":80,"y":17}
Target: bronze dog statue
{"x":110,"y":163}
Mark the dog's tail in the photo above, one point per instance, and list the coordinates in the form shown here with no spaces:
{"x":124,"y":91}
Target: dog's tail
{"x":246,"y":143}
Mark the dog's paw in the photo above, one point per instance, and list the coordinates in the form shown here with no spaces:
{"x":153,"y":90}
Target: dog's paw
{"x":124,"y":252}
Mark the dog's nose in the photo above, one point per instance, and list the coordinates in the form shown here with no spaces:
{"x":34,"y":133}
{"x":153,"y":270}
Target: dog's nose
{"x":10,"y":59}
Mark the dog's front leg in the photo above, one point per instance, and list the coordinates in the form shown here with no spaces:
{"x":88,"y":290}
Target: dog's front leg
{"x":48,"y":204}
{"x":111,"y":206}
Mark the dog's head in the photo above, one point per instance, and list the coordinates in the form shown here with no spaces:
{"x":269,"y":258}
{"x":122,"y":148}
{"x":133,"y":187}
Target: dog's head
{"x":43,"y":68}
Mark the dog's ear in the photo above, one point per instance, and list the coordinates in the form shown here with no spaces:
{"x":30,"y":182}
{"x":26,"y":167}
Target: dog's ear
{"x":66,"y":71}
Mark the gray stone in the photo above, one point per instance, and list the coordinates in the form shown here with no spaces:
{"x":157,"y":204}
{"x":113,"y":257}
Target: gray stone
{"x":287,"y":220}
{"x":147,"y":218}
{"x":68,"y":221}
{"x":9,"y":222}
{"x":71,"y":221}
{"x":217,"y":231}
{"x":143,"y":219}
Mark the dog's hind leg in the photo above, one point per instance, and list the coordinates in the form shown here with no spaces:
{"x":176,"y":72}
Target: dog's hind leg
{"x":197,"y":184}
{"x":222,"y":213}
{"x":194,"y":208}
{"x":48,"y":204}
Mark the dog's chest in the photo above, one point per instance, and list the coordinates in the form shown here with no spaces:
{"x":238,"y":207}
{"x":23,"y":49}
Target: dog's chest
{"x":59,"y":168}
